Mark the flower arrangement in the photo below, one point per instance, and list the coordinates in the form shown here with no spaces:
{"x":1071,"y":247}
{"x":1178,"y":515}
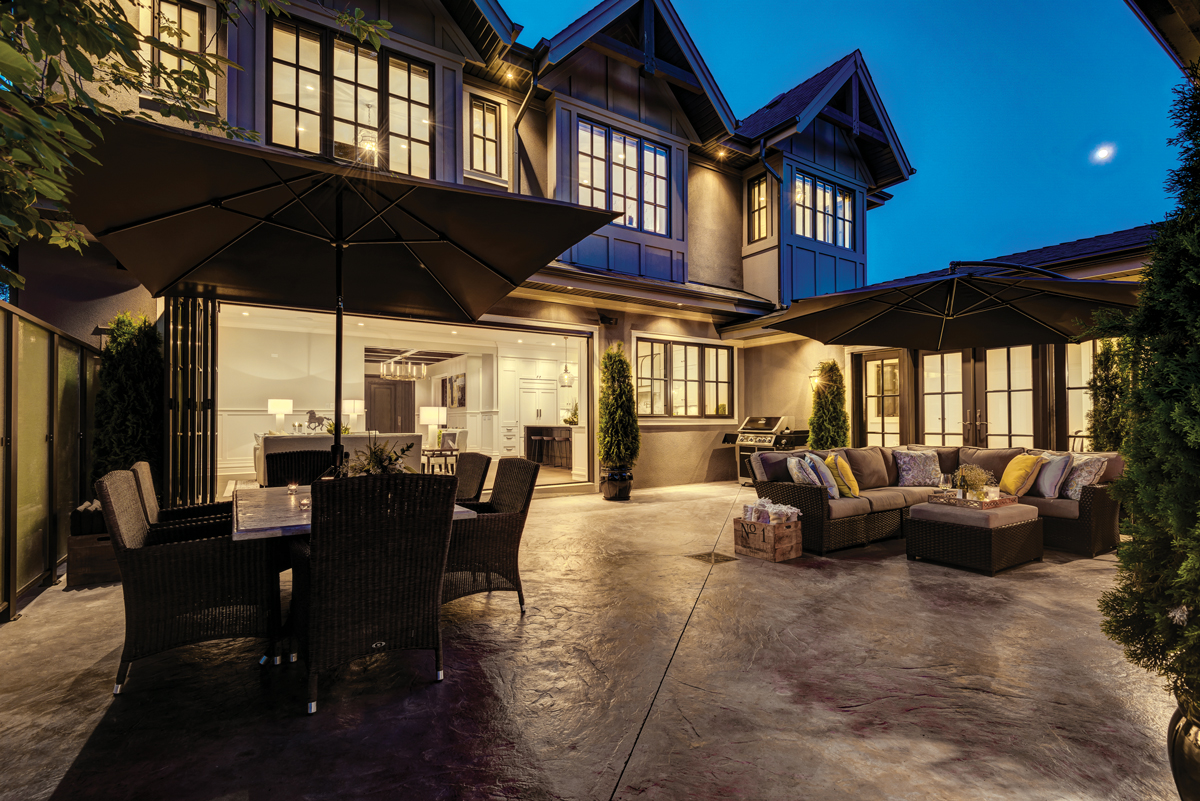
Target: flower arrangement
{"x":573,"y":418}
{"x":972,"y":478}
{"x":379,"y":457}
{"x":329,"y":428}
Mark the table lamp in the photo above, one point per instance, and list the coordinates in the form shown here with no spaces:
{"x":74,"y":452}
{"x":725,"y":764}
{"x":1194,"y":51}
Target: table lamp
{"x":279,"y":407}
{"x":353,"y":408}
{"x":434,"y":417}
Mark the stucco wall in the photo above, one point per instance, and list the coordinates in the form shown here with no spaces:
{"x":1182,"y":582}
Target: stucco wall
{"x":714,"y":226}
{"x":77,"y":293}
{"x":776,"y":378}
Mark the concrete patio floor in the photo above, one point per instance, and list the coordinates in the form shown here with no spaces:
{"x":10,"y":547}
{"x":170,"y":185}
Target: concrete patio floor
{"x":637,"y":673}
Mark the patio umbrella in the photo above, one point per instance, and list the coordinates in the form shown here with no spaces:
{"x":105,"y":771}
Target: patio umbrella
{"x":191,"y":215}
{"x":963,"y":308}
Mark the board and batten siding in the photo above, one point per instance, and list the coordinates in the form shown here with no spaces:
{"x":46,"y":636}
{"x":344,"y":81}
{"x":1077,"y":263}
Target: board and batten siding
{"x":607,"y":92}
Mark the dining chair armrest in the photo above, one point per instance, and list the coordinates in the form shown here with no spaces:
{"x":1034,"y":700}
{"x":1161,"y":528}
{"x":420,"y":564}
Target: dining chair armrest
{"x":184,"y":513}
{"x":188,"y":530}
{"x":479,"y":507}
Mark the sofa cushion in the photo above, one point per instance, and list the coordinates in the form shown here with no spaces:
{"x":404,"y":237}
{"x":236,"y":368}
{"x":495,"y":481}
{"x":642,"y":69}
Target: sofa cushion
{"x":802,"y":472}
{"x":847,"y":484}
{"x":947,"y":457}
{"x":1021,"y":472}
{"x":771,"y":465}
{"x":885,"y":499}
{"x":1085,"y":469}
{"x":991,"y":459}
{"x":915,"y":495}
{"x":868,"y":466}
{"x":1114,"y":468}
{"x":823,"y":473}
{"x":1052,"y":475}
{"x":1053,"y":507}
{"x":918,"y":469}
{"x":979,"y":518}
{"x":848,"y":507}
{"x":889,"y":463}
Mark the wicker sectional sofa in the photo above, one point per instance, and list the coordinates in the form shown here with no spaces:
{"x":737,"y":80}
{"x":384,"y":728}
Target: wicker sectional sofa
{"x":1087,"y":527}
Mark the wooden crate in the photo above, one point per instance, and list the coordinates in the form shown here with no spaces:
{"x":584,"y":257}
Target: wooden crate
{"x":775,"y":542}
{"x":91,"y":560}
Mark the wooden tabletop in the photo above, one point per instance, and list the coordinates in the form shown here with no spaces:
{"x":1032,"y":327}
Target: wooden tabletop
{"x":262,"y":512}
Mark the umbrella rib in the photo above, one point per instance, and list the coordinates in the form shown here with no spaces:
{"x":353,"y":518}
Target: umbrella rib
{"x":197,"y":207}
{"x":946,"y":316}
{"x":891,"y":307}
{"x":380,"y":213}
{"x":1060,"y":294}
{"x":445,"y":240}
{"x":269,"y":221}
{"x":271,"y":167}
{"x":371,"y":206}
{"x":438,"y":281}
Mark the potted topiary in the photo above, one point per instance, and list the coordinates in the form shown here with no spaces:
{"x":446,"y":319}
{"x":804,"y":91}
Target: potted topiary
{"x":618,"y":436}
{"x":1153,"y":610}
{"x":829,"y":425}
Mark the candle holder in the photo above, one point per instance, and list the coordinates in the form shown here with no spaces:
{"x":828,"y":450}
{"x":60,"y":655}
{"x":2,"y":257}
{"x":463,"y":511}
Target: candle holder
{"x":305,"y":503}
{"x":293,"y":487}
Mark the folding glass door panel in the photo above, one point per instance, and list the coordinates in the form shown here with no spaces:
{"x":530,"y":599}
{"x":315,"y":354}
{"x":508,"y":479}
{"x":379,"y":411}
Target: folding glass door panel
{"x":944,"y":397}
{"x":33,"y":496}
{"x":67,"y":439}
{"x":881,"y":386}
{"x":1009,"y":391}
{"x":1079,"y":357}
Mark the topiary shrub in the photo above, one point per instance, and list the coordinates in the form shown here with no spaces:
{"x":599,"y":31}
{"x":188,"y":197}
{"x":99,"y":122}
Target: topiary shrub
{"x":129,"y":403}
{"x":829,"y":425}
{"x":617,"y":435}
{"x":1153,"y":610}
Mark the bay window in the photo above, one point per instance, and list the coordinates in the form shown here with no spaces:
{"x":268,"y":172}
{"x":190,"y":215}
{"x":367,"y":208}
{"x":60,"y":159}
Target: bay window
{"x":682,"y":379}
{"x":624,"y":173}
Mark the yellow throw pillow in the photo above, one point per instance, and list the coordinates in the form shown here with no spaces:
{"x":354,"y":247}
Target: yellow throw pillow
{"x":843,"y":476}
{"x":1021,"y":472}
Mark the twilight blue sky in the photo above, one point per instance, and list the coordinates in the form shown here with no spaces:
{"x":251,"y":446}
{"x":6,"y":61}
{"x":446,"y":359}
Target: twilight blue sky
{"x":998,"y":106}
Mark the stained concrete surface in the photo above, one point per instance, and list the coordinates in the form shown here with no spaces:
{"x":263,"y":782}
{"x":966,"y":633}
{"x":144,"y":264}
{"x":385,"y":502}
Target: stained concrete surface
{"x":637,"y":673}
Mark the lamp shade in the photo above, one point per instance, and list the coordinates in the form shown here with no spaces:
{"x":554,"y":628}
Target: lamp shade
{"x":279,"y":406}
{"x":433,"y":415}
{"x":352,"y":406}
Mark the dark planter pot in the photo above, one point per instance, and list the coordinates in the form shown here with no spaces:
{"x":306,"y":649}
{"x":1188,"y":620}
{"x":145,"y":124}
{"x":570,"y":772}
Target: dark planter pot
{"x":1183,"y":750}
{"x":615,"y":483}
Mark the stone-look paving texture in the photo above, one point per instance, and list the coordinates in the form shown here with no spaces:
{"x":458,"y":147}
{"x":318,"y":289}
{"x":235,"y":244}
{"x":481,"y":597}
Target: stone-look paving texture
{"x":636,"y":674}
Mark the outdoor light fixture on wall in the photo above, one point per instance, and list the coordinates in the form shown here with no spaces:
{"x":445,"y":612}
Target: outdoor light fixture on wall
{"x":815,"y":378}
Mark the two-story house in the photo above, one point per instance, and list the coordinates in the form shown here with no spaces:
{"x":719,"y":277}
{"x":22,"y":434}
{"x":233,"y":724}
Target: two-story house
{"x":722,"y":220}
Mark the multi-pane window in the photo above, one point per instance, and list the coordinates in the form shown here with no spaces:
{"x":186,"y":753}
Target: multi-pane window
{"x":355,"y":103}
{"x":623,"y":173}
{"x":410,"y":119}
{"x":654,"y":190}
{"x":805,"y":196}
{"x":625,"y":179}
{"x":593,"y":165}
{"x":677,"y":379}
{"x":1081,"y":357}
{"x":942,"y":398}
{"x":379,"y":107}
{"x":1010,"y":397}
{"x":881,"y":399}
{"x":824,"y":211}
{"x":485,"y":136}
{"x":295,"y":88}
{"x":758,"y":208}
{"x":844,"y":235}
{"x":176,"y":21}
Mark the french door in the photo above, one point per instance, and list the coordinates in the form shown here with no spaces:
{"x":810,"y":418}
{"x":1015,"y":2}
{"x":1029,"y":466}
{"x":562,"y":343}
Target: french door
{"x":882,"y":398}
{"x":984,"y":398}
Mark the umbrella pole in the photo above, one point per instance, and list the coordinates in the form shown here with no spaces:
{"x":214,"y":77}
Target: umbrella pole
{"x":340,"y":247}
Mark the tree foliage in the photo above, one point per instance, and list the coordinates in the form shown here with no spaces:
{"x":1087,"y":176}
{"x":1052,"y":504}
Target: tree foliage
{"x":1104,"y":421}
{"x":618,"y":435}
{"x":67,"y":64}
{"x":129,"y":403}
{"x":1154,"y":608}
{"x":829,"y":425}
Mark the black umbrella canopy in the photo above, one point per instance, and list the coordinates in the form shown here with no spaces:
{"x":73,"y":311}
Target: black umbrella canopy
{"x":954,"y":310}
{"x":192,"y":215}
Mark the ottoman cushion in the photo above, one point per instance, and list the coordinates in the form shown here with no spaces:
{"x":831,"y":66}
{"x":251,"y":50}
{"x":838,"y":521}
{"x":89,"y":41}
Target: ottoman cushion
{"x":979,"y":518}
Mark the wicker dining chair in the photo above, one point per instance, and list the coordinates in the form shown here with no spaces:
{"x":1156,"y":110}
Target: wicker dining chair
{"x":178,"y":514}
{"x":303,"y":467}
{"x":188,"y":582}
{"x":472,"y":472}
{"x":369,"y":578}
{"x":484,"y":549}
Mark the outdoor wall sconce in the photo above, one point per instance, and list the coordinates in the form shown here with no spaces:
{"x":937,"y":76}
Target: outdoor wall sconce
{"x":279,"y":407}
{"x":815,"y":378}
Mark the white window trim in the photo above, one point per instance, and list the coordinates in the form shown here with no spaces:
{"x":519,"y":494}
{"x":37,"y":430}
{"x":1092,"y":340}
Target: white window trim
{"x":470,"y":91}
{"x":691,"y":422}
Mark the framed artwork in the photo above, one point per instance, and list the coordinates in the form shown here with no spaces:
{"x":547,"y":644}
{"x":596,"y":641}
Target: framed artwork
{"x":458,"y":391}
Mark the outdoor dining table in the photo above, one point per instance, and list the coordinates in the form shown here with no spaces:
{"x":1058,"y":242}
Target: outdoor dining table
{"x":262,"y":512}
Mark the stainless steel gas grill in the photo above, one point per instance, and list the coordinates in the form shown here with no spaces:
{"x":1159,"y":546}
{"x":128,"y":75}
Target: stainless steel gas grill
{"x":764,"y":434}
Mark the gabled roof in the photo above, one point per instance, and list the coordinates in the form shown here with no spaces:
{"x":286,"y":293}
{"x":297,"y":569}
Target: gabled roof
{"x":707,"y":109}
{"x":790,"y":105}
{"x":831,"y":95}
{"x":485,"y":24}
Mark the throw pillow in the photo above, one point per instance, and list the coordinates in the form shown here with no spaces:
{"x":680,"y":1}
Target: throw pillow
{"x":918,"y":468}
{"x":823,"y":473}
{"x":1020,"y":473}
{"x":1084,"y":471}
{"x":847,"y":484}
{"x":801,"y":472}
{"x":1052,"y":475}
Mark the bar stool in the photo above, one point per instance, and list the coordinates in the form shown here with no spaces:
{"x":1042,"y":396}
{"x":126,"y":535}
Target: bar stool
{"x":537,"y":448}
{"x":561,"y":450}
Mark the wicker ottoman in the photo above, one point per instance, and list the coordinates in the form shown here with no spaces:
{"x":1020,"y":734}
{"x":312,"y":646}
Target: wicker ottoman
{"x":988,"y":540}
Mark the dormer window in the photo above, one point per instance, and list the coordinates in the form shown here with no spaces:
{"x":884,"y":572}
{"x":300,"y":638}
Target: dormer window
{"x":824,"y":211}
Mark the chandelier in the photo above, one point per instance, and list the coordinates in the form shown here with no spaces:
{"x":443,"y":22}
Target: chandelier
{"x":566,"y":379}
{"x":401,"y":371}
